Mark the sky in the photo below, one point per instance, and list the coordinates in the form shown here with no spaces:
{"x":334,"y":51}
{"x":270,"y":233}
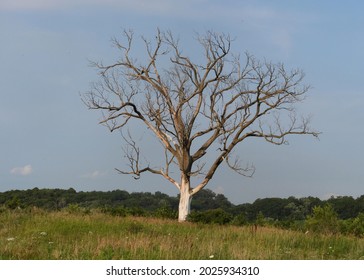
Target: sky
{"x":49,"y":139}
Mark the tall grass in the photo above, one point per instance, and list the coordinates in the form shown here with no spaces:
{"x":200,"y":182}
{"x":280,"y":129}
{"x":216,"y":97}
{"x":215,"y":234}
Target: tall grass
{"x":63,"y":235}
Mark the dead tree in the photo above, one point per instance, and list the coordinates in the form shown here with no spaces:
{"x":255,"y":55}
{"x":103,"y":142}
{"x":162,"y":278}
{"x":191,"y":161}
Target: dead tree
{"x":196,"y":108}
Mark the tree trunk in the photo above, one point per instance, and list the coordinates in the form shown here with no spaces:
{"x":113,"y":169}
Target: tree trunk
{"x":184,"y":200}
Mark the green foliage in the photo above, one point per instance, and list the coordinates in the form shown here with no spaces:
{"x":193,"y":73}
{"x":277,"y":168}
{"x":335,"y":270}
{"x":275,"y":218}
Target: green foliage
{"x":165,"y":212}
{"x":74,"y":208}
{"x":120,"y":211}
{"x":206,"y":199}
{"x":13,"y":203}
{"x":239,"y":220}
{"x":260,"y":219}
{"x":207,"y":207}
{"x":323,"y":220}
{"x":137,"y":212}
{"x":345,"y":206}
{"x":295,"y":211}
{"x":357,"y":226}
{"x":213,"y":216}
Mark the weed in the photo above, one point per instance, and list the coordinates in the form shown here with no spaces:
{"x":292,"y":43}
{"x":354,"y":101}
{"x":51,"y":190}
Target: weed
{"x":65,"y":235}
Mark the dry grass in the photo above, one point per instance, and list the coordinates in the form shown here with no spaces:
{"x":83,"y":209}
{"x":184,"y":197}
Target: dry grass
{"x":61,"y":235}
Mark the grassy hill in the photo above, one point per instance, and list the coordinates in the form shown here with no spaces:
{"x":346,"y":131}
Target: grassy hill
{"x":39,"y":234}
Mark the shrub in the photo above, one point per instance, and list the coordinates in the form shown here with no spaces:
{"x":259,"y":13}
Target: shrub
{"x":260,"y":219}
{"x":13,"y":203}
{"x":137,"y":212}
{"x":74,"y":208}
{"x":119,"y":211}
{"x":213,"y":216}
{"x":122,"y":211}
{"x":239,"y":220}
{"x":323,"y":220}
{"x":357,"y":225}
{"x":165,"y":212}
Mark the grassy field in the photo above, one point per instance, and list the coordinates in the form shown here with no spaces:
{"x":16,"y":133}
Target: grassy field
{"x":70,"y":236}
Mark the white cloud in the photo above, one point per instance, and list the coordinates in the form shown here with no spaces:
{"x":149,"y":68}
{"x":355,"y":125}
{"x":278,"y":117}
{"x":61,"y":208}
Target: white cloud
{"x":23,"y":171}
{"x":219,"y":190}
{"x":328,"y":196}
{"x":93,"y":175}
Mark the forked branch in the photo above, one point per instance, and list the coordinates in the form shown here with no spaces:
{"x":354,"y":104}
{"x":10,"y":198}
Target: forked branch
{"x":195,"y":108}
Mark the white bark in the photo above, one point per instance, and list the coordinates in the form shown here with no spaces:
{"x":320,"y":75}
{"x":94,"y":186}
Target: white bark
{"x":184,"y":201}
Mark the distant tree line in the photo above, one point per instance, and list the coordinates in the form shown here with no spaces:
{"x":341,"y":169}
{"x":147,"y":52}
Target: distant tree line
{"x":273,"y":209}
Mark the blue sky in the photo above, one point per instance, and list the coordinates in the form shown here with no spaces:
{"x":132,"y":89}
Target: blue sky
{"x":50,"y":139}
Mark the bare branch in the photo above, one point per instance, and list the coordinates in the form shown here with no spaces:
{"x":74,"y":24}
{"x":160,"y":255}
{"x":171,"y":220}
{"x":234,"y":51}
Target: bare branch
{"x":196,"y":107}
{"x":236,"y":166}
{"x":132,"y":154}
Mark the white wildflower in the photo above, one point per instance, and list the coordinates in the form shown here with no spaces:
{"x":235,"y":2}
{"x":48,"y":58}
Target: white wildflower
{"x":211,"y":256}
{"x":10,"y":239}
{"x":43,"y":233}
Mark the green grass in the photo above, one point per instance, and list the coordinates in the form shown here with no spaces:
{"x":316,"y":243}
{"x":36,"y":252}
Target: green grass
{"x":61,"y":235}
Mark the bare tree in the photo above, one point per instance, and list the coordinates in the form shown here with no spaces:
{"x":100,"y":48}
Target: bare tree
{"x":196,"y":109}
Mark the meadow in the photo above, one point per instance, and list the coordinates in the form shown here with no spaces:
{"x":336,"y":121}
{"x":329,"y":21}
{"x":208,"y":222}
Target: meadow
{"x":62,"y":235}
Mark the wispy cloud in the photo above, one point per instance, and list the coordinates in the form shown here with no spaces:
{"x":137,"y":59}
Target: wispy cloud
{"x":93,"y":175}
{"x":23,"y":171}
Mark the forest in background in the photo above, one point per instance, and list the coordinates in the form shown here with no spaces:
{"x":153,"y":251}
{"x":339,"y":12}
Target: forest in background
{"x":207,"y":206}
